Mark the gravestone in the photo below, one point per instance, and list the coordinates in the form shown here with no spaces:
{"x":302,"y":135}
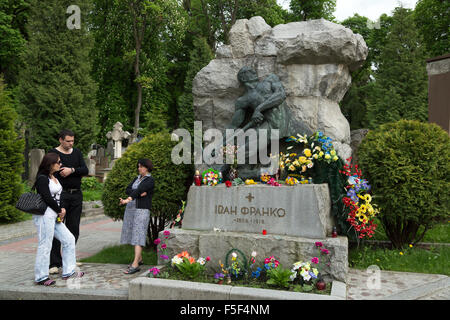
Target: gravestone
{"x":35,"y":157}
{"x":302,"y":210}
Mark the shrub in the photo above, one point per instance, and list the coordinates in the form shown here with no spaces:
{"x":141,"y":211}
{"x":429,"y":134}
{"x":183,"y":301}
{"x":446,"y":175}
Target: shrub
{"x":11,"y":159}
{"x":90,"y":183}
{"x":408,"y":165}
{"x":170,"y":181}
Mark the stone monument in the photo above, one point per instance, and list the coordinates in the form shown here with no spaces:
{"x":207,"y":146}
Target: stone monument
{"x":312,"y":61}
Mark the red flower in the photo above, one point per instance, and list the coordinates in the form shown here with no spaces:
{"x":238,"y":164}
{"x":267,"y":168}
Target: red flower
{"x":228,"y":183}
{"x":264,"y":232}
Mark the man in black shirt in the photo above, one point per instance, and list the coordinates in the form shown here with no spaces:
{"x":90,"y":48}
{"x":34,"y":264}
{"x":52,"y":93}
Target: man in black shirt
{"x":73,"y":168}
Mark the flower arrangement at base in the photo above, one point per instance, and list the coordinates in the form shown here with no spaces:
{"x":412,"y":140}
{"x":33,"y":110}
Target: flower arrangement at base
{"x":210,"y":177}
{"x":250,"y":182}
{"x":188,"y":265}
{"x":322,"y":148}
{"x":361,"y":212}
{"x":291,"y":181}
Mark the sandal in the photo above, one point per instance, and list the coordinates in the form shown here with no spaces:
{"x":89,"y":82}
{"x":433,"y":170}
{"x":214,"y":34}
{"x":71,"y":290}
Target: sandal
{"x":140,"y":263}
{"x":74,"y":275}
{"x":46,"y":282}
{"x":132,"y":270}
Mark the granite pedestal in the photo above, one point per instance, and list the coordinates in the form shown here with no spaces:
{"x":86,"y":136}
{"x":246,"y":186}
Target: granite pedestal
{"x":218,"y":219}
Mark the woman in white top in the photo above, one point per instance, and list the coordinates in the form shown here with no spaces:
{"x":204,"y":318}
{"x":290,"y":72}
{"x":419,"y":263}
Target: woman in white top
{"x":49,"y":225}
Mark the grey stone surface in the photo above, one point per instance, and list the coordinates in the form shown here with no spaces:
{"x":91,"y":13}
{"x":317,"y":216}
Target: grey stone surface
{"x":313,"y":60}
{"x":438,"y":67}
{"x":357,"y":136}
{"x":302,"y":210}
{"x":163,"y":289}
{"x":287,"y":250}
{"x":35,"y":158}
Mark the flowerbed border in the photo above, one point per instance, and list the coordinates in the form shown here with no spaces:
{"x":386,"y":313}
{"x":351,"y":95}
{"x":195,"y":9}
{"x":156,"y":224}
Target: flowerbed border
{"x":145,"y":288}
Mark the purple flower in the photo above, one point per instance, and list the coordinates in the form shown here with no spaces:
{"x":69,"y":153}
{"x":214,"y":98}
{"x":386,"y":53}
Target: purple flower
{"x":155,"y":271}
{"x":163,"y":256}
{"x":219,"y":276}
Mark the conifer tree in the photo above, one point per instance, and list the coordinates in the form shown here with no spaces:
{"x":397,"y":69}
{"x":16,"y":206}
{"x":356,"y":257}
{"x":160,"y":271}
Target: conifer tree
{"x":11,"y":158}
{"x":55,"y":88}
{"x":400,"y":88}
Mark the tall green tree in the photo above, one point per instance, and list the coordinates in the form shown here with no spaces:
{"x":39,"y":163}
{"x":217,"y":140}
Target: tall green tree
{"x":134,"y":49}
{"x":354,"y":103}
{"x":400,"y":86}
{"x":13,"y":16}
{"x":55,"y":88}
{"x":11,"y":158}
{"x":433,"y":21}
{"x":303,"y":10}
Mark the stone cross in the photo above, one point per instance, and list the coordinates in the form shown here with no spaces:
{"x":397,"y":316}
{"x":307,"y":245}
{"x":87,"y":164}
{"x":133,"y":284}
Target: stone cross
{"x":117,"y":135}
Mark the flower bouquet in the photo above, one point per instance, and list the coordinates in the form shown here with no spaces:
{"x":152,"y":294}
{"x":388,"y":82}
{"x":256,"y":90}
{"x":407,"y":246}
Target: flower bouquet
{"x":188,"y":266}
{"x":361,"y":212}
{"x":210,"y":177}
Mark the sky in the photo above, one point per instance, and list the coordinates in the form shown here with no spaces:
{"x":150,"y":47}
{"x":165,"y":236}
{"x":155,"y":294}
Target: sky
{"x":371,"y":9}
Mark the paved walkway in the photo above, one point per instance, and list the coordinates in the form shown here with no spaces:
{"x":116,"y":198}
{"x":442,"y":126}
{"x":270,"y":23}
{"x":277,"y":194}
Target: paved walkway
{"x":106,"y":281}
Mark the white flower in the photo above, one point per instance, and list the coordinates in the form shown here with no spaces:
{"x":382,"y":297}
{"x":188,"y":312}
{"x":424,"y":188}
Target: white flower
{"x":201,"y":260}
{"x":234,"y":255}
{"x":254,"y":254}
{"x":176,"y":260}
{"x":293,"y":276}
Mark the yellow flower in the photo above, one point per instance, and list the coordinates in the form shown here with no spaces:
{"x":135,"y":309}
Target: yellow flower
{"x":363,"y":208}
{"x":335,"y":158}
{"x":292,"y":168}
{"x":295,"y":163}
{"x":333,"y":152}
{"x":410,"y":245}
{"x":400,"y":253}
{"x":327,"y":156}
{"x":293,"y":155}
{"x":320,"y":154}
{"x":307,"y":152}
{"x":368,"y":197}
{"x":302,"y":160}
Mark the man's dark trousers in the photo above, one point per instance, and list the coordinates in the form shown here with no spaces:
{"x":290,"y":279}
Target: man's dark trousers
{"x":73,"y":203}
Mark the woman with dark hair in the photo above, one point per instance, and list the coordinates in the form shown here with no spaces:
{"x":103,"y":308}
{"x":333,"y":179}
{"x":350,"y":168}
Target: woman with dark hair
{"x":50,"y":225}
{"x":137,"y":212}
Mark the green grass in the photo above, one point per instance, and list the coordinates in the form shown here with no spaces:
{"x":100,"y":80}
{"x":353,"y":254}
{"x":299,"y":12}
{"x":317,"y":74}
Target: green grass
{"x":92,"y":195}
{"x":438,"y":234}
{"x":435,"y":260}
{"x":122,"y":254}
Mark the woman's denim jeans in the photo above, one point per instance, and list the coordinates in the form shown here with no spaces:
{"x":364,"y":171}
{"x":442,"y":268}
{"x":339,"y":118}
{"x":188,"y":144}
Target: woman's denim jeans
{"x":47,"y":228}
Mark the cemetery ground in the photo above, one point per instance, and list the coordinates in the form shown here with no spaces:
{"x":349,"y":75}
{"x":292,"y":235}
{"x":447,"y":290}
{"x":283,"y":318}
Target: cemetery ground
{"x":420,"y":272}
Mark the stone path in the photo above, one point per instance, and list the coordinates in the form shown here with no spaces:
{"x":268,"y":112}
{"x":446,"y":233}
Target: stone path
{"x":106,"y":281}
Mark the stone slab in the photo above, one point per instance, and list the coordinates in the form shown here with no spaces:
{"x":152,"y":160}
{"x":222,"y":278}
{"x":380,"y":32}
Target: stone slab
{"x":286,"y":249}
{"x":302,"y":210}
{"x":163,"y":289}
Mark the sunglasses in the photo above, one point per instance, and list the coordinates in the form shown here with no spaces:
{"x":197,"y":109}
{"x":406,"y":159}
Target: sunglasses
{"x":58,"y":162}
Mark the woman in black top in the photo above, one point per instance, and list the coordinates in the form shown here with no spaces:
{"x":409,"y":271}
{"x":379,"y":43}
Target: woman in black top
{"x":137,"y":212}
{"x":50,"y":225}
